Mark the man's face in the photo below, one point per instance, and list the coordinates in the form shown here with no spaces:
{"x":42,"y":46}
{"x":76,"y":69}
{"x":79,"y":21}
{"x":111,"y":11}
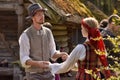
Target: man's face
{"x":115,"y":28}
{"x":38,"y":17}
{"x":112,"y":25}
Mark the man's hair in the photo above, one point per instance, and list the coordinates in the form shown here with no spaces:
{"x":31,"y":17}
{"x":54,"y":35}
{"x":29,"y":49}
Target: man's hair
{"x":114,"y":16}
{"x":104,"y":23}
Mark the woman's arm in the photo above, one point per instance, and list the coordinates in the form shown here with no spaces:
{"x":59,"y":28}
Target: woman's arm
{"x":78,"y":53}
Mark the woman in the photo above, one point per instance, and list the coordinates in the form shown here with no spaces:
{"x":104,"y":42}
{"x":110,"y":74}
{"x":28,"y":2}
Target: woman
{"x":90,"y":56}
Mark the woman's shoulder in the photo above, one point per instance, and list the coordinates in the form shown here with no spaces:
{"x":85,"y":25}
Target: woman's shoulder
{"x":80,"y":46}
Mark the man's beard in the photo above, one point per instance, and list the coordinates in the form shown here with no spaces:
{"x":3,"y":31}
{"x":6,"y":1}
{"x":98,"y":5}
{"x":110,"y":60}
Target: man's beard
{"x":40,"y":22}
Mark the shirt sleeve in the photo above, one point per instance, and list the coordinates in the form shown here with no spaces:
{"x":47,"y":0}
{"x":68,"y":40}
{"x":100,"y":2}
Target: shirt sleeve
{"x":52,"y":45}
{"x":24,"y":49}
{"x":78,"y":53}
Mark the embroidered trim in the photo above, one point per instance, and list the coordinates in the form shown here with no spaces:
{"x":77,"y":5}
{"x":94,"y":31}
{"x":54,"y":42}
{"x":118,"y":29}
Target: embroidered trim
{"x":96,"y":39}
{"x":99,"y":52}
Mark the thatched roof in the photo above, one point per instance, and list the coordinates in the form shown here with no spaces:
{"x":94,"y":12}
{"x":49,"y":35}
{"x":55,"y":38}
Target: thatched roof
{"x":73,"y":7}
{"x":99,"y":15}
{"x":64,"y":10}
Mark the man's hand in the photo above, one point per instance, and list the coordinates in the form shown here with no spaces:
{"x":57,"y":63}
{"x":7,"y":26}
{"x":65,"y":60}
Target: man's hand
{"x":64,"y":55}
{"x":43,"y":64}
{"x":60,"y":54}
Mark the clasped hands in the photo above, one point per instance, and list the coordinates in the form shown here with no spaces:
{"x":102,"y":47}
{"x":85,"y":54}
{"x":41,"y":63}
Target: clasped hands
{"x":45,"y":64}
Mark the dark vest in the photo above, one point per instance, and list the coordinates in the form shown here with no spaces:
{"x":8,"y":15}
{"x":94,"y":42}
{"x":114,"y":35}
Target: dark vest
{"x":91,"y":62}
{"x":39,"y":46}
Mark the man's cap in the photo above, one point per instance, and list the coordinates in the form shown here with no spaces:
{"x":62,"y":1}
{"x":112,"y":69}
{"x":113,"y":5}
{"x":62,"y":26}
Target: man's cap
{"x":33,"y":8}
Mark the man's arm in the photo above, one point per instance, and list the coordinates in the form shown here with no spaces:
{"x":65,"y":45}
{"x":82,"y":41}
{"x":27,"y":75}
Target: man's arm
{"x":40,"y":64}
{"x":25,"y":60}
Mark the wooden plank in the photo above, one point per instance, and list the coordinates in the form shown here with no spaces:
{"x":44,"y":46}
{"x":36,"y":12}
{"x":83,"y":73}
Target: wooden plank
{"x":6,"y":71}
{"x":6,"y":27}
{"x":9,"y":58}
{"x":8,"y":6}
{"x":59,"y":27}
{"x":7,"y":22}
{"x":57,"y":33}
{"x":7,"y":12}
{"x":8,"y":17}
{"x":63,"y":44}
{"x":11,"y":37}
{"x":2,"y":36}
{"x":12,"y":31}
{"x":7,"y":0}
{"x":6,"y":54}
{"x":2,"y":46}
{"x":61,"y":38}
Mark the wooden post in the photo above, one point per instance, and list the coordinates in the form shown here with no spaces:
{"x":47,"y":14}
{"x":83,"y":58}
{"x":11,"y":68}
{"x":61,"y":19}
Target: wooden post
{"x":21,"y":18}
{"x":17,"y":73}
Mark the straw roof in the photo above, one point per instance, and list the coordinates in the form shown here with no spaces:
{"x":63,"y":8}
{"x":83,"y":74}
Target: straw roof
{"x":64,"y":10}
{"x":73,"y":7}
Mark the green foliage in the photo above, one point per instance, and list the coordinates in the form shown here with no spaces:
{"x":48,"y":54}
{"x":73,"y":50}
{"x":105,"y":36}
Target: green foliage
{"x":115,"y":57}
{"x":116,"y":21}
{"x":114,"y":68}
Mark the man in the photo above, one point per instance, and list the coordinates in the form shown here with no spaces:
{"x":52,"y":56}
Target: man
{"x":111,"y":28}
{"x":37,"y":46}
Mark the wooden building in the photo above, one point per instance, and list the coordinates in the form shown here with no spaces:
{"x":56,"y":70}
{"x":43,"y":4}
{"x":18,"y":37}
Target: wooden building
{"x":64,"y":15}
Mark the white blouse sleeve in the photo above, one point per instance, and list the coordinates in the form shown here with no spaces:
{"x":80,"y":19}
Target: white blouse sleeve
{"x":78,"y":53}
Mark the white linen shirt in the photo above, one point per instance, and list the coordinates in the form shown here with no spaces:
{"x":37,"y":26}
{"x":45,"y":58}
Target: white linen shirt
{"x":78,"y":53}
{"x":25,"y":47}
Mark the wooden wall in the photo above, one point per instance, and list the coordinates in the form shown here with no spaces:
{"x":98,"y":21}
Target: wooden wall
{"x":8,"y":34}
{"x":61,"y":36}
{"x":9,"y":24}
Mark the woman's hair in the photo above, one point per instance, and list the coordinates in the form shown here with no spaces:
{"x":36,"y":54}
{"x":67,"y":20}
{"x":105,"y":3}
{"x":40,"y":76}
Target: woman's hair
{"x":92,"y":26}
{"x":92,"y":22}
